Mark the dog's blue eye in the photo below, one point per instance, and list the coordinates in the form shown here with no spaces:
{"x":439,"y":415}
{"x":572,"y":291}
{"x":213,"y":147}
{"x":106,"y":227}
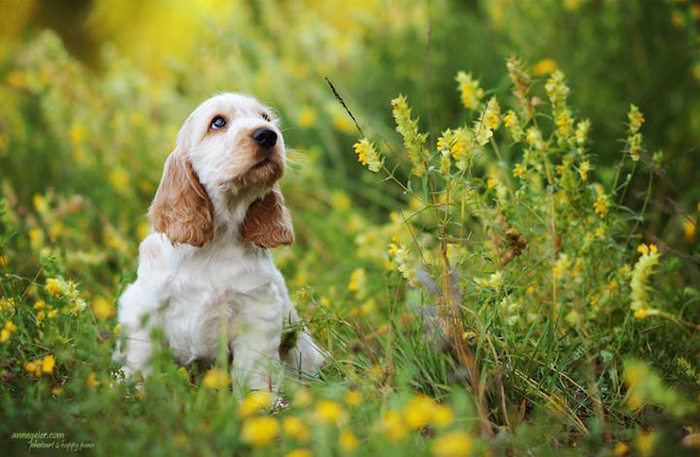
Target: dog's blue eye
{"x":217,"y":123}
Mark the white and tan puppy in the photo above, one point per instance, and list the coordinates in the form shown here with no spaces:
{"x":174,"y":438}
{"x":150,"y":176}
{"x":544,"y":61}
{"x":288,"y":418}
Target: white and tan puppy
{"x":206,"y":267}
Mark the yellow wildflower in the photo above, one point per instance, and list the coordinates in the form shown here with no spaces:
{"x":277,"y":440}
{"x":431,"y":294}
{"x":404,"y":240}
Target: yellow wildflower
{"x":544,"y":67}
{"x":91,"y":380}
{"x":621,"y":449}
{"x":48,"y":363}
{"x":640,"y":273}
{"x":646,"y":442}
{"x":7,"y":331}
{"x":688,"y":230}
{"x":254,"y":402}
{"x":299,"y":453}
{"x":3,"y":261}
{"x":293,"y":427}
{"x":512,"y":123}
{"x":442,"y":416}
{"x":347,"y":441}
{"x":453,"y":444}
{"x":260,"y":431}
{"x":216,"y":378}
{"x":413,"y":140}
{"x":34,"y":367}
{"x":561,"y":266}
{"x":329,"y":412}
{"x":393,"y":426}
{"x":581,"y":133}
{"x":564,"y":122}
{"x":353,"y":398}
{"x":519,"y":170}
{"x":77,"y":133}
{"x":368,"y":155}
{"x":102,"y":308}
{"x":469,"y":90}
{"x":600,"y":206}
{"x":636,"y":119}
{"x":55,"y":287}
{"x":302,"y":397}
{"x":306,"y":117}
{"x":584,"y":169}
{"x":119,"y":178}
{"x":418,"y":412}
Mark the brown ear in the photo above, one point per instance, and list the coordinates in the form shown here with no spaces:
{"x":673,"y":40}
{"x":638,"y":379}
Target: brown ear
{"x":267,"y":222}
{"x":181,"y":208}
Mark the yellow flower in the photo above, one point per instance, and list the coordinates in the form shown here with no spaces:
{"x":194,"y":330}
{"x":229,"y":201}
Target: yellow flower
{"x":519,"y":170}
{"x":353,"y":398}
{"x":584,"y":169}
{"x":453,"y":444}
{"x":216,"y":378}
{"x":3,"y":261}
{"x":91,"y":380}
{"x":601,"y":205}
{"x":643,"y":313}
{"x":393,"y":426}
{"x":636,"y":119}
{"x":34,"y":367}
{"x":302,"y":397}
{"x":36,"y":238}
{"x":367,"y":154}
{"x":645,"y":443}
{"x":418,"y":412}
{"x":260,"y":431}
{"x":688,"y":230}
{"x":7,"y":331}
{"x":254,"y":402}
{"x":48,"y":363}
{"x":357,"y":282}
{"x":293,"y":427}
{"x":54,"y":287}
{"x":469,"y":90}
{"x":306,"y":117}
{"x":442,"y":416}
{"x":299,"y":453}
{"x":347,"y":441}
{"x":102,"y":308}
{"x":329,"y":412}
{"x":561,"y":266}
{"x":343,"y":125}
{"x":119,"y":179}
{"x":117,"y":329}
{"x":78,"y":133}
{"x":544,"y":67}
{"x":621,"y":449}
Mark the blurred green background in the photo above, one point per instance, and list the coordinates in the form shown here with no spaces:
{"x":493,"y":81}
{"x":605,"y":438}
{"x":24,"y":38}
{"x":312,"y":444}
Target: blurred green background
{"x":93,"y":92}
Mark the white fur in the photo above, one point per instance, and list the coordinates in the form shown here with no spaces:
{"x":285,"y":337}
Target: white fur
{"x":227,"y":287}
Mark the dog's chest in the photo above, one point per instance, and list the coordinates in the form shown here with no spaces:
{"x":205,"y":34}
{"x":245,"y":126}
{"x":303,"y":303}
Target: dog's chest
{"x":207,"y":300}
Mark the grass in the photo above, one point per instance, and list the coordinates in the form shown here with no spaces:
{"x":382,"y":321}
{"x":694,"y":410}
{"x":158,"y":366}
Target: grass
{"x":483,"y":290}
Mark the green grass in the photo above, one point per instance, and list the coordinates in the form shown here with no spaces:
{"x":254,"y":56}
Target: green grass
{"x":491,"y":290}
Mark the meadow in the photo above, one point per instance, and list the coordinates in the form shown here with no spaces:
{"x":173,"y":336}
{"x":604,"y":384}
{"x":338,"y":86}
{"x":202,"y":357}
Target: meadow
{"x":495,"y":206}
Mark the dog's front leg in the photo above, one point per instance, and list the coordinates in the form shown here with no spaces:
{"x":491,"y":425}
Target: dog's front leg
{"x":256,"y":340}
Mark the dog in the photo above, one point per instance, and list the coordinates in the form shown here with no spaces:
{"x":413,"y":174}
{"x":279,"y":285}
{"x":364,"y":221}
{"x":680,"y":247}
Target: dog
{"x":205,"y":270}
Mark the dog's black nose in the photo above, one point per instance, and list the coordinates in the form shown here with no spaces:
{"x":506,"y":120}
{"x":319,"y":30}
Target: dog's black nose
{"x":265,"y":137}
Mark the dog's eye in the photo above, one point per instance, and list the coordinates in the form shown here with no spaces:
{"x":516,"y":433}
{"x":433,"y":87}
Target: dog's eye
{"x":217,"y":123}
{"x":266,"y":117}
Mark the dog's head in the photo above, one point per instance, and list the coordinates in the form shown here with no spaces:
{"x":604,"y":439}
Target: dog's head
{"x":229,"y":152}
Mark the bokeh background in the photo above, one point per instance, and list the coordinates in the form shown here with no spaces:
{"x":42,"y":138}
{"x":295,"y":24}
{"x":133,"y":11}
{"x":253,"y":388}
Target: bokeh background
{"x":93,"y":92}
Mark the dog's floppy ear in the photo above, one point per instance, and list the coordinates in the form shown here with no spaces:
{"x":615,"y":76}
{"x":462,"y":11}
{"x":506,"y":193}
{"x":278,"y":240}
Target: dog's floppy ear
{"x":267,"y":222}
{"x":181,"y":208}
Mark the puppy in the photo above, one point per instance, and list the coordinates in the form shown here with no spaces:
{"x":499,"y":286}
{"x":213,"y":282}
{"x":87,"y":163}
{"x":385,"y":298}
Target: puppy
{"x":205,"y":270}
